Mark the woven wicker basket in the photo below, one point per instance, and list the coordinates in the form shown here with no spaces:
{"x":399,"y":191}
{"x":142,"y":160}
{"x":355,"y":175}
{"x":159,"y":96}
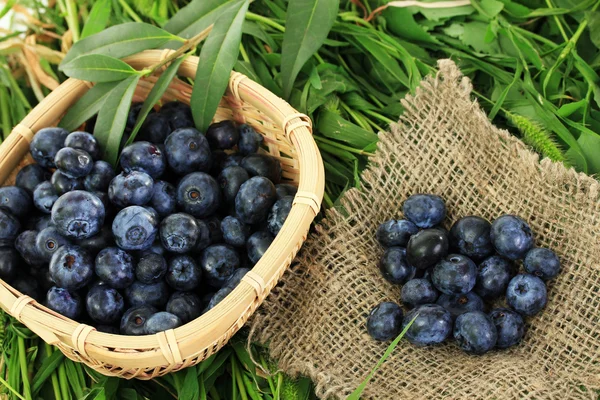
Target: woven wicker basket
{"x":287,"y":136}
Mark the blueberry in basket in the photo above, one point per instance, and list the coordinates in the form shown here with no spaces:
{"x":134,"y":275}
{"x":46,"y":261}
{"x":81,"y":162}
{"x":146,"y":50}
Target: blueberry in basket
{"x":452,"y":281}
{"x":152,"y":243}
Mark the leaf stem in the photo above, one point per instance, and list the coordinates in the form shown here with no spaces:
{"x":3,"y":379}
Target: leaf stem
{"x":4,"y":112}
{"x":130,"y":11}
{"x":73,"y":19}
{"x":53,"y":377}
{"x":243,"y":53}
{"x":23,"y":367}
{"x":6,"y":385}
{"x":255,"y":17}
{"x":557,"y":20}
{"x":64,"y":384}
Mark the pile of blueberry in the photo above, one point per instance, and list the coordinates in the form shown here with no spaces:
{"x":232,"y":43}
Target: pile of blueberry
{"x":153,"y":245}
{"x":451,"y":279}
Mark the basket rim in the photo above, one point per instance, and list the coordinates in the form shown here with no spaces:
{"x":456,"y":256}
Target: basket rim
{"x":217,"y":322}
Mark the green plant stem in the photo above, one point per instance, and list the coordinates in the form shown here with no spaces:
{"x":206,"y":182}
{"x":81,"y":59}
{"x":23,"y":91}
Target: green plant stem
{"x":243,"y":53}
{"x":11,"y":389}
{"x":188,"y":45}
{"x":214,"y":394}
{"x":53,"y":377}
{"x":327,"y":200}
{"x":72,"y":19}
{"x":378,"y":116}
{"x":259,"y":18}
{"x":341,"y":146}
{"x":237,"y":377}
{"x":23,"y":367}
{"x":4,"y":112}
{"x":64,"y":384}
{"x":557,"y":20}
{"x":130,"y":11}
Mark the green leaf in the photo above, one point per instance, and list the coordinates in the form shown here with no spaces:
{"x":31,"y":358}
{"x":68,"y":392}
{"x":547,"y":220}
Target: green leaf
{"x":569,"y":108}
{"x":197,"y":16}
{"x":112,"y":118}
{"x":119,"y":41}
{"x":436,"y":14}
{"x":217,"y":59}
{"x":590,"y":146}
{"x":247,"y":69}
{"x":401,"y":22}
{"x":515,"y":9}
{"x":333,"y":126}
{"x":155,"y":95}
{"x":381,"y":54}
{"x":98,"y":18}
{"x":99,"y":68}
{"x":96,"y":393}
{"x":594,"y":27}
{"x":308,"y":23}
{"x":253,"y":29}
{"x":315,"y":79}
{"x":491,"y":8}
{"x":87,"y":106}
{"x":190,"y":389}
{"x":44,"y":371}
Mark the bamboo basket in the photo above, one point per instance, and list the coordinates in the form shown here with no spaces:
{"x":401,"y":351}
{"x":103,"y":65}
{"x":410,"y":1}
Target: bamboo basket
{"x":287,"y":136}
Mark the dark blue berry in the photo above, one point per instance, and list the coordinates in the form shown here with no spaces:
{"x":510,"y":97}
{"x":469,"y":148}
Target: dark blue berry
{"x":475,"y":332}
{"x":115,"y":267}
{"x":151,"y":268}
{"x":426,"y":248}
{"x":84,"y":141}
{"x":230,"y":180}
{"x":144,"y":157}
{"x":235,"y":279}
{"x":493,"y":276}
{"x":254,"y":199}
{"x":186,"y":305}
{"x":30,"y":176}
{"x":263,"y":165}
{"x":285,"y":189}
{"x":156,"y":248}
{"x":9,"y":263}
{"x":73,"y":163}
{"x":71,"y":267}
{"x":198,"y":194}
{"x":424,"y":210}
{"x":526,"y":294}
{"x":543,"y":263}
{"x":187,"y":151}
{"x":40,"y":222}
{"x":155,"y":128}
{"x":458,"y":304}
{"x":180,"y":118}
{"x":154,"y":294}
{"x":509,"y":326}
{"x":135,"y":228}
{"x":104,"y":304}
{"x":417,"y":292}
{"x":133,"y":320}
{"x":9,"y":226}
{"x":45,"y":144}
{"x":179,"y":232}
{"x":232,"y":160}
{"x":278,"y":214}
{"x":100,"y":177}
{"x":27,"y":285}
{"x":235,"y":232}
{"x":44,"y":197}
{"x":99,"y":241}
{"x":26,"y":246}
{"x":78,"y":214}
{"x":250,"y":140}
{"x":511,"y":237}
{"x":384,"y":321}
{"x":396,"y":232}
{"x":48,"y":242}
{"x":132,"y":115}
{"x":110,"y":329}
{"x":213,"y":224}
{"x":163,"y":198}
{"x":218,"y":262}
{"x":15,"y":200}
{"x":63,"y":184}
{"x":432,"y":325}
{"x":222,"y":135}
{"x":394,"y":267}
{"x":257,"y":245}
{"x":183,"y":273}
{"x":456,"y":274}
{"x":43,"y":278}
{"x":161,"y":321}
{"x":205,"y":234}
{"x":134,"y":188}
{"x":471,"y":236}
{"x":218,"y":297}
{"x":64,"y":302}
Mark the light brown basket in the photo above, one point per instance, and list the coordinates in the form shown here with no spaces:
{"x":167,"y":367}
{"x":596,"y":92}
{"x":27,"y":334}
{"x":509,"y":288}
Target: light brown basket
{"x":287,"y":136}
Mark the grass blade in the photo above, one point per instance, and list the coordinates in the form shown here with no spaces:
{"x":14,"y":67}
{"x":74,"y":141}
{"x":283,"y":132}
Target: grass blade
{"x":49,"y":365}
{"x":196,"y":17}
{"x":98,"y":68}
{"x":87,"y":106}
{"x":98,"y":18}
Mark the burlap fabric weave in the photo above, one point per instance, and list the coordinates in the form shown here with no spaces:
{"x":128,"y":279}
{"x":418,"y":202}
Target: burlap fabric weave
{"x":315,"y":319}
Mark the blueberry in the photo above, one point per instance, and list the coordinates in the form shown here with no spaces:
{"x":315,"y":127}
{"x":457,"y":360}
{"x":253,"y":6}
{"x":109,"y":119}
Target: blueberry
{"x":250,"y":140}
{"x":471,"y":236}
{"x":179,"y":232}
{"x":104,"y":304}
{"x":9,"y":226}
{"x":278,"y":214}
{"x":511,"y":237}
{"x":144,"y":157}
{"x":232,"y":160}
{"x":73,"y":163}
{"x":235,"y":279}
{"x":214,"y":229}
{"x":15,"y":200}
{"x":222,"y":135}
{"x":26,"y":246}
{"x":458,"y":304}
{"x":71,"y":267}
{"x":426,"y":248}
{"x":133,"y":320}
{"x":154,"y":294}
{"x":396,"y":232}
{"x":230,"y":180}
{"x":156,"y":248}
{"x":183,"y":273}
{"x":43,"y":278}
{"x":204,"y":236}
{"x":39,"y":222}
{"x":218,"y":297}
{"x":155,"y":128}
{"x":285,"y":189}
{"x":254,"y":199}
{"x":101,"y":240}
{"x":9,"y":263}
{"x":198,"y":194}
{"x":174,"y":105}
{"x":187,"y":151}
{"x":456,"y":274}
{"x":45,"y":144}
{"x":218,"y":262}
{"x":132,"y":115}
{"x":493,"y":276}
{"x":475,"y":332}
{"x":135,"y":228}
{"x":115,"y":267}
{"x":44,"y":197}
{"x":180,"y":118}
{"x":84,"y":141}
{"x":27,"y":285}
{"x":64,"y":302}
{"x":257,"y":245}
{"x":99,"y":178}
{"x":110,"y":329}
{"x":509,"y":325}
{"x":78,"y":214}
{"x":30,"y":176}
{"x":417,"y":292}
{"x":163,"y":198}
{"x":63,"y":184}
{"x":424,"y":210}
{"x":48,"y":241}
{"x":161,"y":321}
{"x":134,"y":188}
{"x":186,"y":305}
{"x":151,"y":268}
{"x":526,"y":294}
{"x":432,"y":325}
{"x":263,"y":165}
{"x":394,"y":267}
{"x":542,"y":263}
{"x":235,"y":232}
{"x":384,"y":321}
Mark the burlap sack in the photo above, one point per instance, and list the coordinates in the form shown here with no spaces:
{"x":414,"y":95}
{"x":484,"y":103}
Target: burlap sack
{"x":314,"y":321}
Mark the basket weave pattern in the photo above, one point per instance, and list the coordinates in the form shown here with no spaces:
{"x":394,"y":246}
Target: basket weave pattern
{"x":287,"y":136}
